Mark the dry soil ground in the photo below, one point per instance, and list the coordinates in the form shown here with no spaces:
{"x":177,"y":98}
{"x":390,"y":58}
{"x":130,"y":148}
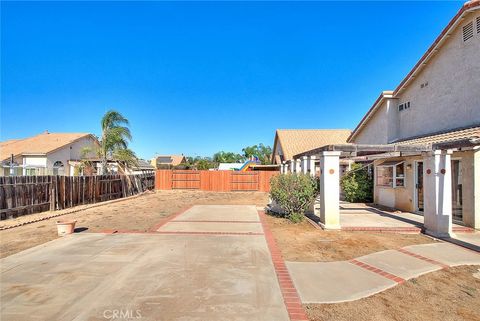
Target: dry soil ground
{"x":304,"y":243}
{"x":452,"y":294}
{"x":447,"y":295}
{"x":138,"y":214}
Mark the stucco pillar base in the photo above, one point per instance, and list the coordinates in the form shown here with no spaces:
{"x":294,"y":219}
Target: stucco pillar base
{"x":330,"y":190}
{"x":304,"y":165}
{"x":437,"y":186}
{"x":311,"y":165}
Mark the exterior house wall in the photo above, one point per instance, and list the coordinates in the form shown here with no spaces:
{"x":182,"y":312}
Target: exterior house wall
{"x":404,"y":198}
{"x":376,"y":129}
{"x":451,"y":99}
{"x":70,"y":152}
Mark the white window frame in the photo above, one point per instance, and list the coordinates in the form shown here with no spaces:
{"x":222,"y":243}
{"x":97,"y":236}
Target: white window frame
{"x":394,"y":175}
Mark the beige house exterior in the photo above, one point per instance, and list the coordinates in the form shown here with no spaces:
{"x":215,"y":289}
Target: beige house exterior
{"x":438,"y":102}
{"x":45,"y":154}
{"x":167,"y":161}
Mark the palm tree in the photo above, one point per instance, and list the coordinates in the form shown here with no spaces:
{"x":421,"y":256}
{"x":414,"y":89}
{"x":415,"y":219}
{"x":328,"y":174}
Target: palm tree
{"x":114,"y":140}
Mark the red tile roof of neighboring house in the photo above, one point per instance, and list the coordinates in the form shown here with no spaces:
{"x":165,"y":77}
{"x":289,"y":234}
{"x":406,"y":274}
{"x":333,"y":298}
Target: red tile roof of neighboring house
{"x":43,"y":143}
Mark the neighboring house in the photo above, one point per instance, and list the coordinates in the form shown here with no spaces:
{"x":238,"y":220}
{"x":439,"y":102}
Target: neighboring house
{"x":438,"y":102}
{"x":290,"y":142}
{"x":142,"y":167}
{"x":44,"y":154}
{"x":167,"y":161}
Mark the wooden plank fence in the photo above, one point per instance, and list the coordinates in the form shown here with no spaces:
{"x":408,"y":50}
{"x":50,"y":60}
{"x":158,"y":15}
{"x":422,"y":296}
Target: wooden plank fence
{"x":215,"y":181}
{"x":22,"y":195}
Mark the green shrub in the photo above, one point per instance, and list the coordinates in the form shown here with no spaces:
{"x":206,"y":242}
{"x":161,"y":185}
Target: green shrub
{"x":293,"y":193}
{"x":357,"y":185}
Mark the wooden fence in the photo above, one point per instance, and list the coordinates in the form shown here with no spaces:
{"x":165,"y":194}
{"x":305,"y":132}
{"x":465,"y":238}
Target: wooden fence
{"x":21,"y":195}
{"x":215,"y":181}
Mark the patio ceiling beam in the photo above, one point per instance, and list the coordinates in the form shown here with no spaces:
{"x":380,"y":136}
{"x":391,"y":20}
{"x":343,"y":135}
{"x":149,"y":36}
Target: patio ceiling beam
{"x":366,"y":149}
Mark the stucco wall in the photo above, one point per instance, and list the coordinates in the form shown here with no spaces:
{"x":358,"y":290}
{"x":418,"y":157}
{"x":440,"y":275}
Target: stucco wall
{"x":375,"y":131}
{"x":403,"y":198}
{"x":450,"y":100}
{"x":70,"y":152}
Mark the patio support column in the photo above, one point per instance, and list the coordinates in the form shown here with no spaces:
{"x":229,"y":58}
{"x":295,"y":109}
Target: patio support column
{"x":311,"y":165}
{"x":330,"y":189}
{"x":292,"y":166}
{"x":437,"y":191}
{"x":305,"y":164}
{"x":297,"y":165}
{"x":282,"y":168}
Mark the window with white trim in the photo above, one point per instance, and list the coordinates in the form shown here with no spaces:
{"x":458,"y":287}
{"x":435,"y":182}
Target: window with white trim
{"x":391,"y":174}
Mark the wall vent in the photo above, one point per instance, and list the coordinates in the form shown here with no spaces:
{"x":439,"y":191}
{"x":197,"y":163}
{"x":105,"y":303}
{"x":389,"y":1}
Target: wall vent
{"x":468,"y":31}
{"x":404,"y":106}
{"x":478,"y":24}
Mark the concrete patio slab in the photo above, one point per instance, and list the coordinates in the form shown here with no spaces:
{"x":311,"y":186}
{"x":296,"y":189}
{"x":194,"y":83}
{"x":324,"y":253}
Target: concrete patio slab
{"x":159,"y":276}
{"x":218,"y":227}
{"x":449,"y":254}
{"x":220,"y":213}
{"x":333,"y":282}
{"x":399,"y":264}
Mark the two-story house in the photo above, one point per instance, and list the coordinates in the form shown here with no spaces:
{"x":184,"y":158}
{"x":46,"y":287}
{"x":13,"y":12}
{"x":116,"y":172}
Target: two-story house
{"x":437,"y":102}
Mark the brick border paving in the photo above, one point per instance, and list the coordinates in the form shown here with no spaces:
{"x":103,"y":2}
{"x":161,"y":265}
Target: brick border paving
{"x":413,"y":230}
{"x":205,"y":221}
{"x":376,"y":270}
{"x":424,"y":258}
{"x":291,"y":298}
{"x":169,"y":218}
{"x":206,"y":233}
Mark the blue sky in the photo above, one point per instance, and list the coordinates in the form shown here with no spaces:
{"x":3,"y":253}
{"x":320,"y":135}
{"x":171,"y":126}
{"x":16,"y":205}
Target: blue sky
{"x":195,"y":78}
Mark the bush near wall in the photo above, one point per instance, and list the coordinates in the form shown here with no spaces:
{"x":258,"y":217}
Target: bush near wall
{"x":294,"y":193}
{"x":357,"y":184}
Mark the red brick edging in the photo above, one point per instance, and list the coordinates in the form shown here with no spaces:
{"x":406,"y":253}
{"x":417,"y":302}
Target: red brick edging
{"x":169,"y":218}
{"x":292,"y":301}
{"x":381,"y":272}
{"x":205,"y":221}
{"x":413,"y":230}
{"x":206,"y":233}
{"x":421,"y":257}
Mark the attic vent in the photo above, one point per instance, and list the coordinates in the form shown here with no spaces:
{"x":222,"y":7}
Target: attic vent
{"x":468,"y":31}
{"x":478,"y":24}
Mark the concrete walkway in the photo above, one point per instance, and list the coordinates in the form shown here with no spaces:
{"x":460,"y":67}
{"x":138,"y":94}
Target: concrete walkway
{"x":333,"y":282}
{"x":208,"y":263}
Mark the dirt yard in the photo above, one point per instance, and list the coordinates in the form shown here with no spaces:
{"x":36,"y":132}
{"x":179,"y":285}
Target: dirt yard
{"x":447,"y":295}
{"x":303,"y":242}
{"x":137,"y":214}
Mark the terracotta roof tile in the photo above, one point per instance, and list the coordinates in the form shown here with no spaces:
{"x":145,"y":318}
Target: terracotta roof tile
{"x":455,"y":134}
{"x":296,"y":141}
{"x":39,"y":144}
{"x":174,"y":160}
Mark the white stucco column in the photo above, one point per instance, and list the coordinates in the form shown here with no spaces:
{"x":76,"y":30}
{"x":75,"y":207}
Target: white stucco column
{"x":437,"y":191}
{"x":298,"y":166}
{"x":311,"y":165}
{"x":330,"y":190}
{"x":292,"y":166}
{"x":282,"y":168}
{"x":304,"y":164}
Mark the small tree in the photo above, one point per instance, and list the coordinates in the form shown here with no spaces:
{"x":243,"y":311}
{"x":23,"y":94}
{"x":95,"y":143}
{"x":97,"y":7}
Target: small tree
{"x":294,"y":193}
{"x":357,"y":184}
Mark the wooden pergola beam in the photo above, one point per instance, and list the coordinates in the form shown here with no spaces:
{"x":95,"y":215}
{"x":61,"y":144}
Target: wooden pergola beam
{"x":366,"y":149}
